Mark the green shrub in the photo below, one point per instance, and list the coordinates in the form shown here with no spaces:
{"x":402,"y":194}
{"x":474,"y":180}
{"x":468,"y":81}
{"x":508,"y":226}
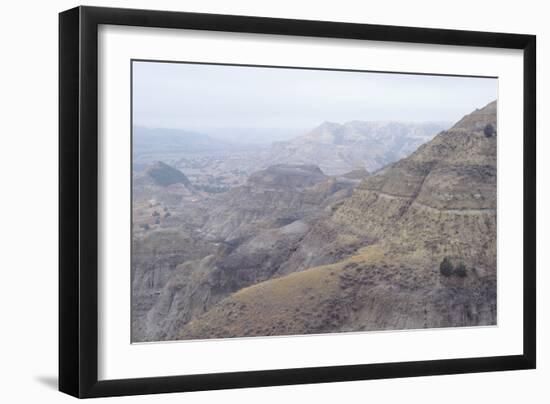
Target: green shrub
{"x":446,"y":268}
{"x":489,"y":130}
{"x":460,"y":270}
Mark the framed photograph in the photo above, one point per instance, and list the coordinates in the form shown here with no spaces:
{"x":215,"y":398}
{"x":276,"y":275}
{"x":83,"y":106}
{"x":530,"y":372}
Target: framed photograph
{"x":250,"y":201}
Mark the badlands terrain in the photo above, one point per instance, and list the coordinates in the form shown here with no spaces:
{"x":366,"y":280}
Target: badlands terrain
{"x":349,"y":227}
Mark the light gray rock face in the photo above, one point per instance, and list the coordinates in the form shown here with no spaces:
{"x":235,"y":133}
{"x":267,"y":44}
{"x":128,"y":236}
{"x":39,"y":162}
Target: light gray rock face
{"x":249,"y":235}
{"x":338,"y":149}
{"x":195,"y":286}
{"x":271,"y":198}
{"x":155,"y":258}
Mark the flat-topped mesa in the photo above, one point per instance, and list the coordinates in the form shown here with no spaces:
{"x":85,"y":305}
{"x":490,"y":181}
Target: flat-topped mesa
{"x":287,"y":175}
{"x":356,"y":174}
{"x":279,"y":194}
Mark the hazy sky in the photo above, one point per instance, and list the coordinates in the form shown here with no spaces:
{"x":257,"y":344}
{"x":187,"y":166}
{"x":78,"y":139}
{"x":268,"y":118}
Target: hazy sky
{"x":207,"y":97}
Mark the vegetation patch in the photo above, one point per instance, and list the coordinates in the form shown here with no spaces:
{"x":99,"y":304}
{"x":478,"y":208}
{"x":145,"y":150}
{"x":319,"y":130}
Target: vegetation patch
{"x":447,"y":269}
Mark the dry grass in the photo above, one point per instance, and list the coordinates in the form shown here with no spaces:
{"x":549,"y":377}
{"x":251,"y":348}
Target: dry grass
{"x":303,"y":302}
{"x":295,"y":304}
{"x":371,"y":254}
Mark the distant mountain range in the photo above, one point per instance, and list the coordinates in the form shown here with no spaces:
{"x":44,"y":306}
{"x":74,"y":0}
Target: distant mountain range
{"x":340,"y":148}
{"x":335,"y":148}
{"x":150,"y":145}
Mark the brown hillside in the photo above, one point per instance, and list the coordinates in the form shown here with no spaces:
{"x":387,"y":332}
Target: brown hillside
{"x":439,"y":202}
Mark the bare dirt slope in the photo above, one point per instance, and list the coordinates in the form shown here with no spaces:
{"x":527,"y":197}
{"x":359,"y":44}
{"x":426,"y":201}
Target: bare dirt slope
{"x":439,"y":202}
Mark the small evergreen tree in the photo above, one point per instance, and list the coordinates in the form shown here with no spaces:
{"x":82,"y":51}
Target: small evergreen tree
{"x":460,"y":270}
{"x":489,"y":130}
{"x":446,"y":268}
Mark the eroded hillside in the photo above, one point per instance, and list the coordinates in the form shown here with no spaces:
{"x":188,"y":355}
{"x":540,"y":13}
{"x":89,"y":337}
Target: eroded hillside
{"x":340,"y":148}
{"x":292,"y":250}
{"x":209,"y":247}
{"x":391,"y":236}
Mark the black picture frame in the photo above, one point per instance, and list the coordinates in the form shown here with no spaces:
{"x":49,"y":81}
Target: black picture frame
{"x":78,"y":201}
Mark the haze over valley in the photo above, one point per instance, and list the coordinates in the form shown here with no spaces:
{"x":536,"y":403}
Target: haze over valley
{"x":215,"y":165}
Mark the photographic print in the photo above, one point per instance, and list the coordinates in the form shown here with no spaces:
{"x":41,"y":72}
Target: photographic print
{"x":271,"y":201}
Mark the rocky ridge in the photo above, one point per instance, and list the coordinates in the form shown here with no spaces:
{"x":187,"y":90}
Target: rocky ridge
{"x":340,"y":148}
{"x":396,"y":228}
